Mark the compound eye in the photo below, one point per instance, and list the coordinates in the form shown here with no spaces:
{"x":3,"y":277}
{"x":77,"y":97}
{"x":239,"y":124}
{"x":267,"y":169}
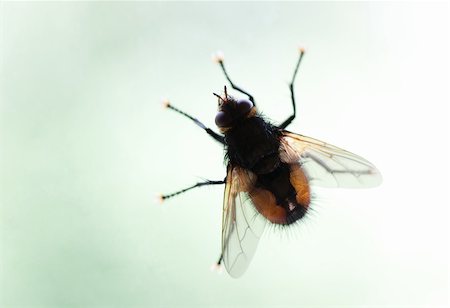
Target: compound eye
{"x":223,"y":119}
{"x":244,"y":105}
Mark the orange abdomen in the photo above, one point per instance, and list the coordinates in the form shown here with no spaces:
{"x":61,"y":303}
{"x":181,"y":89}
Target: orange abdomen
{"x":285,"y":198}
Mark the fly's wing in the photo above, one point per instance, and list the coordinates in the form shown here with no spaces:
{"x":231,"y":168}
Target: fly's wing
{"x":326,"y":165}
{"x":242,"y":225}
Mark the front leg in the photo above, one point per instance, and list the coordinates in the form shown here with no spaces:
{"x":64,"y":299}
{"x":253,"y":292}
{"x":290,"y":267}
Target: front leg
{"x":209,"y":131}
{"x":219,"y":59}
{"x":291,"y":87}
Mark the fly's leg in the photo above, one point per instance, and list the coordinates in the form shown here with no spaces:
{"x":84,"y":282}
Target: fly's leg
{"x":209,"y":131}
{"x":291,"y":87}
{"x":199,"y":184}
{"x":219,"y":59}
{"x":217,"y":267}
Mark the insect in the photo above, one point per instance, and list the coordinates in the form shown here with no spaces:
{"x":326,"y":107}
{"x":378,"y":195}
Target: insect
{"x":270,"y":172}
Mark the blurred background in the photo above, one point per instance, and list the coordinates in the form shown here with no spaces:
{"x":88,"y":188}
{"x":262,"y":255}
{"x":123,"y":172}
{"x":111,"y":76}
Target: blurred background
{"x":85,"y":147}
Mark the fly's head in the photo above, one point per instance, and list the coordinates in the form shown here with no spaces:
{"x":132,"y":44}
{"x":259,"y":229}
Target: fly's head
{"x":231,"y":111}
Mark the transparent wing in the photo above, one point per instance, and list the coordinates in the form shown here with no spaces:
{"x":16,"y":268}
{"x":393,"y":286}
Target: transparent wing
{"x":326,"y":165}
{"x":242,"y":225}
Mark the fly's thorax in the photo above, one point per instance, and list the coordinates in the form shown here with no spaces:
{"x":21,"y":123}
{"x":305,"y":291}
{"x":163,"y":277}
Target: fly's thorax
{"x":253,"y":143}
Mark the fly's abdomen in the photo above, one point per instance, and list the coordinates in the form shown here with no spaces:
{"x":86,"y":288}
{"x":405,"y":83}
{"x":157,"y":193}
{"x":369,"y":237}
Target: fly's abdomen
{"x":282,"y":196}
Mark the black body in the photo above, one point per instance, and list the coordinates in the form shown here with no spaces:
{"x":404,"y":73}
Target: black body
{"x":253,"y":144}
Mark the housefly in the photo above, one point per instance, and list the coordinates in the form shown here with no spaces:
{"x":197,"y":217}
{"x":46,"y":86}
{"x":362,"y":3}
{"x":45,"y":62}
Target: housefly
{"x":270,"y":172}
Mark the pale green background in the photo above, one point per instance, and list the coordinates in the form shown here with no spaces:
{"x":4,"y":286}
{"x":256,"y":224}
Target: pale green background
{"x":85,"y":147}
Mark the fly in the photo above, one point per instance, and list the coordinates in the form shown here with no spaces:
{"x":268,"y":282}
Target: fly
{"x":270,"y":172}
